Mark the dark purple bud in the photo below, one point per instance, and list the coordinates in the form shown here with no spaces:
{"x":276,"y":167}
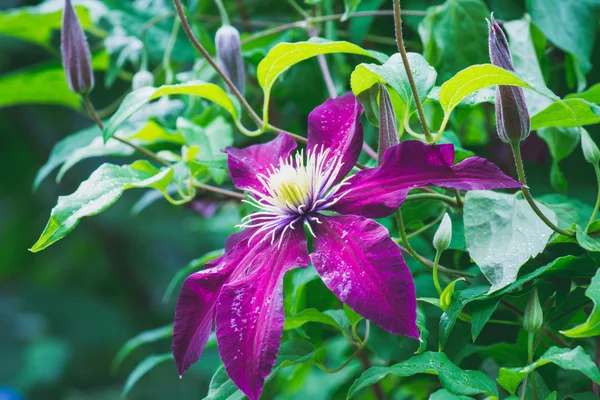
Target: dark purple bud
{"x":388,"y":133}
{"x":512,"y":118}
{"x":75,"y":53}
{"x":229,"y":54}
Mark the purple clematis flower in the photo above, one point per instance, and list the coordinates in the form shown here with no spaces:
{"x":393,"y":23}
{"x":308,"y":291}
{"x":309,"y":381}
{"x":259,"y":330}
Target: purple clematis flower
{"x":355,"y":257}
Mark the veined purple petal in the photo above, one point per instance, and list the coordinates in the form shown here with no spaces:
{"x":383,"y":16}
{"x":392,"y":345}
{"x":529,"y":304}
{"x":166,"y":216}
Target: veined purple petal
{"x":359,"y":262}
{"x":249,"y":317}
{"x":194,"y":313}
{"x":195,"y":309}
{"x":378,"y":192}
{"x":336,"y":126}
{"x":245,"y":164}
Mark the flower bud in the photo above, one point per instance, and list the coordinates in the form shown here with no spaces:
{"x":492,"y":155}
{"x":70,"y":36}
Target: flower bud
{"x":590,"y":150}
{"x":533,"y":317}
{"x":229,"y":54}
{"x":75,"y":53}
{"x":141,"y":79}
{"x":512,"y":118}
{"x":443,"y":236}
{"x":388,"y":133}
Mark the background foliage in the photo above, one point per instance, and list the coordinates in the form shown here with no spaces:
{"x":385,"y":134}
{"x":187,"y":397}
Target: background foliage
{"x":67,"y":311}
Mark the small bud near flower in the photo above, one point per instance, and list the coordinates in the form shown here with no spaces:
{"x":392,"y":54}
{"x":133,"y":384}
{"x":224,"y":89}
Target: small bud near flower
{"x":141,"y":79}
{"x":443,"y":235}
{"x":512,"y":118}
{"x":75,"y":53}
{"x":229,"y":54}
{"x":533,"y":317}
{"x":589,"y":147}
{"x":388,"y":133}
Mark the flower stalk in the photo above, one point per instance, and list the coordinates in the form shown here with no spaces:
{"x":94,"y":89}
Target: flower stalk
{"x":411,"y":80}
{"x":516,"y":149}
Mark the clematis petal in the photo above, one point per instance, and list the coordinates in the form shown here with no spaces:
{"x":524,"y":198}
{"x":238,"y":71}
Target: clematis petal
{"x":245,"y":164}
{"x":359,"y":262}
{"x":249,"y":317}
{"x":378,"y":192}
{"x":195,"y":309}
{"x":194,"y":313}
{"x":336,"y":126}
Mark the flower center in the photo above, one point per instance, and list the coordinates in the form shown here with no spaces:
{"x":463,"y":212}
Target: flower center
{"x":295,"y":191}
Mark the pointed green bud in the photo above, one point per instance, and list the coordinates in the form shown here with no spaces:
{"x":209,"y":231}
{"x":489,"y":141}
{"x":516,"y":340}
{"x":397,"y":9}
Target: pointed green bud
{"x":388,"y":133}
{"x":229,"y":55}
{"x":590,"y":150}
{"x":533,"y":317}
{"x":443,"y":236}
{"x":76,"y":58}
{"x":141,"y":79}
{"x":512,"y":118}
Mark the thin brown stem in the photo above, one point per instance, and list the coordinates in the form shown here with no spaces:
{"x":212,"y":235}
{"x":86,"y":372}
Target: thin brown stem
{"x":224,"y":192}
{"x":411,"y":80}
{"x":188,"y":30}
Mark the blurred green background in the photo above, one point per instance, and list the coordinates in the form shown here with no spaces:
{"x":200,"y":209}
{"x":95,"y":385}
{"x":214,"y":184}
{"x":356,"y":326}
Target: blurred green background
{"x":66,"y":311}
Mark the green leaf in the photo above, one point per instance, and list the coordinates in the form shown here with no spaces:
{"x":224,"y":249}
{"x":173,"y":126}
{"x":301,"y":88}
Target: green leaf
{"x":142,"y":369}
{"x":453,"y":312}
{"x":591,"y":327}
{"x":96,"y":194}
{"x":454,"y":35}
{"x":149,"y":336}
{"x":309,"y":315}
{"x":451,"y":376}
{"x":447,"y":293}
{"x":423,"y":332}
{"x":567,"y":113}
{"x":477,"y":77}
{"x":444,"y":394}
{"x":392,"y":73}
{"x":481,"y":312}
{"x":574,"y":360}
{"x":349,"y":7}
{"x":193,"y":266}
{"x":586,"y":241}
{"x":42,"y":84}
{"x":571,"y":26}
{"x":292,"y":352}
{"x":352,"y":316}
{"x":503,"y":233}
{"x":138,"y":98}
{"x":561,"y":142}
{"x":591,"y":95}
{"x":37,"y":24}
{"x":284,"y":55}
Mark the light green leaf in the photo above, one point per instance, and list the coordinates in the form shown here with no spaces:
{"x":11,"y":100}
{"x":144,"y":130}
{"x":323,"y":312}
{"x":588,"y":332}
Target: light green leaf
{"x":142,"y":369}
{"x":42,"y":84}
{"x":96,"y":194}
{"x":586,"y":241}
{"x":149,"y":336}
{"x":503,"y":233}
{"x":561,"y":142}
{"x":573,"y":360}
{"x":447,"y":293}
{"x":309,"y":315}
{"x":477,"y":77}
{"x":567,"y":113}
{"x":392,"y":72}
{"x":193,"y":266}
{"x":591,"y":95}
{"x":136,"y":99}
{"x":454,"y":35}
{"x":591,"y":327}
{"x":284,"y":55}
{"x":451,"y":376}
